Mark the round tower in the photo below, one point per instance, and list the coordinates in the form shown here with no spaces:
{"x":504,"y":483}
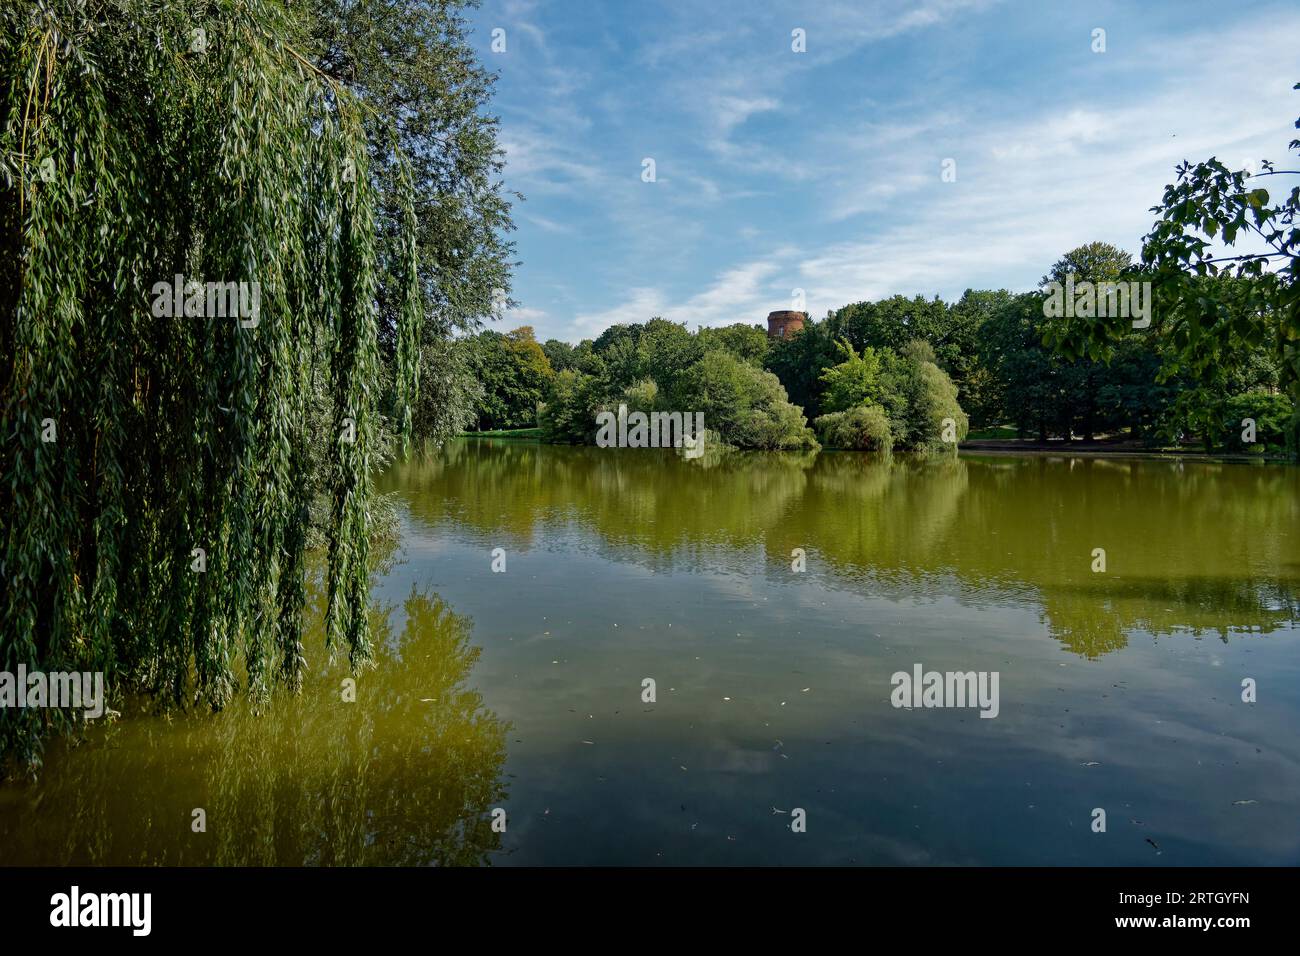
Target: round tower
{"x":783,"y":324}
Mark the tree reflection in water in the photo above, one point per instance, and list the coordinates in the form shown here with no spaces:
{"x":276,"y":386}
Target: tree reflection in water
{"x":1195,"y":547}
{"x":406,"y":775}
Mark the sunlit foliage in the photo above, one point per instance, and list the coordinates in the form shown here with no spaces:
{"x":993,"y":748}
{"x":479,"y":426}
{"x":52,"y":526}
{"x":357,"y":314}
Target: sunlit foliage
{"x":157,"y":470}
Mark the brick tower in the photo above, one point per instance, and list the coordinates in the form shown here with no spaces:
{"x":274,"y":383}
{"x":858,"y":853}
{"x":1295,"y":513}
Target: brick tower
{"x":782,"y":325}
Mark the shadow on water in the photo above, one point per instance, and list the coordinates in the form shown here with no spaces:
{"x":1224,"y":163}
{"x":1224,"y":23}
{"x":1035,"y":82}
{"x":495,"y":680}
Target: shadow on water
{"x":406,"y":775}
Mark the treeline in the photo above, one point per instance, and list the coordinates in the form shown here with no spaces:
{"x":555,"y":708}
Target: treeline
{"x":1214,"y":356}
{"x":997,"y":348}
{"x":889,"y":374}
{"x":877,"y":398}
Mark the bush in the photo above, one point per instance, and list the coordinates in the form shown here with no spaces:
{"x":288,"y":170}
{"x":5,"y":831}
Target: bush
{"x":779,"y":427}
{"x":642,"y":396}
{"x":1272,"y":416}
{"x":864,"y":428}
{"x":746,"y":405}
{"x":937,"y":401}
{"x":918,"y":396}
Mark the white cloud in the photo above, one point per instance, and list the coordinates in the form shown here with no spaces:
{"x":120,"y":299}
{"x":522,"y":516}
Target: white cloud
{"x":514,"y":318}
{"x":642,"y":304}
{"x":859,"y":197}
{"x":540,"y":164}
{"x":733,"y":111}
{"x":745,"y":293}
{"x":549,"y":225}
{"x":1028,"y":192}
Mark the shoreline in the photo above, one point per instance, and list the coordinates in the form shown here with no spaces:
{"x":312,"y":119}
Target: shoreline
{"x":1012,"y":446}
{"x":1102,"y":450}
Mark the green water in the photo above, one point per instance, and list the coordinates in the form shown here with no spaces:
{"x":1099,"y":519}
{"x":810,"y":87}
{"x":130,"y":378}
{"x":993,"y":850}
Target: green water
{"x":522,"y":690}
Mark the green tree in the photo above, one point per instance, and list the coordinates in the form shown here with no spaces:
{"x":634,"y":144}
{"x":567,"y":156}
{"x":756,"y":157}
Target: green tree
{"x":745,"y":405}
{"x":1209,"y":325}
{"x":749,"y":343}
{"x":157,"y":468}
{"x":414,"y":68}
{"x":720,"y":386}
{"x":1091,"y":262}
{"x":1029,"y":375}
{"x":449,"y":392}
{"x":799,"y":360}
{"x":561,"y":355}
{"x":621,"y":362}
{"x":950,"y":330}
{"x":920,"y":399}
{"x":514,"y":373}
{"x":568,"y":416}
{"x":1081,"y":378}
{"x":865,"y":428}
{"x":854,"y":381}
{"x":892,"y":323}
{"x":587,"y":360}
{"x":664,"y":351}
{"x":433,"y":157}
{"x":1046,"y":392}
{"x":959,"y":353}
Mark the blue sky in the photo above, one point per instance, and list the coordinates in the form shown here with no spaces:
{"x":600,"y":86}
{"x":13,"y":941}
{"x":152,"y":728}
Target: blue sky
{"x":822,"y":170}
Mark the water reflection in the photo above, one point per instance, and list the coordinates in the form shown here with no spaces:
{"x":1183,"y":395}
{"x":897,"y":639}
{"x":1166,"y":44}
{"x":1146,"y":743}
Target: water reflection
{"x":406,"y":775}
{"x":774,"y":688}
{"x":1197,"y":547}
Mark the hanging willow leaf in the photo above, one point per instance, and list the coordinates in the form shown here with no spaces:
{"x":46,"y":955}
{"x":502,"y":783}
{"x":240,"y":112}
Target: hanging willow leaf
{"x":410,"y":316}
{"x":160,"y":536}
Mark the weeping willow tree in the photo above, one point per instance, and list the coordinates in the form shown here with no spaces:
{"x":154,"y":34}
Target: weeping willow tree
{"x":431,"y":138}
{"x":157,"y":450}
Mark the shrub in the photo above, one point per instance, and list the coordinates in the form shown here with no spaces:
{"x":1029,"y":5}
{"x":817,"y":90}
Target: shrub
{"x":779,"y":427}
{"x":746,"y":405}
{"x":854,"y":381}
{"x":864,"y":428}
{"x":642,"y":396}
{"x":1272,"y":416}
{"x":917,"y":396}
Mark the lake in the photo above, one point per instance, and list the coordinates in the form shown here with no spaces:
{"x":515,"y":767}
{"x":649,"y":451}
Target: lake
{"x":772,"y":736}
